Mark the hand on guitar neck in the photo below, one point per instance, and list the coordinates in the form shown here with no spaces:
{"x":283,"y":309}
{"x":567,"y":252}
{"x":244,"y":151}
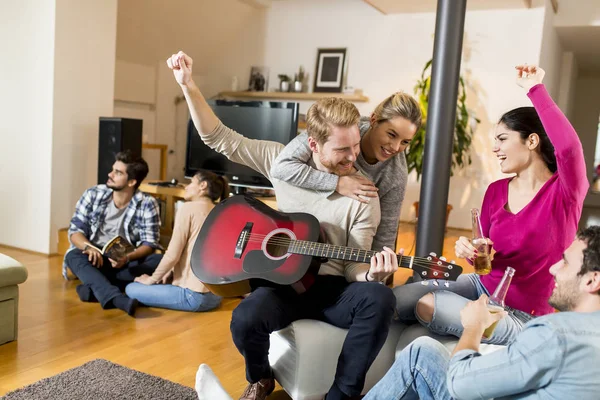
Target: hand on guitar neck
{"x":383,"y":264}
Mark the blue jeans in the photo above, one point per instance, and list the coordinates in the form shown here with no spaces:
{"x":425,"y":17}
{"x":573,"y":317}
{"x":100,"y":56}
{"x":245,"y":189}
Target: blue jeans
{"x":419,"y":372}
{"x":449,"y":301}
{"x":172,"y":297}
{"x":107,"y":282}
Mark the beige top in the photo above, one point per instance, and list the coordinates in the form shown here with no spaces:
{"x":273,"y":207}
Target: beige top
{"x":345,"y":221}
{"x":188,"y":222}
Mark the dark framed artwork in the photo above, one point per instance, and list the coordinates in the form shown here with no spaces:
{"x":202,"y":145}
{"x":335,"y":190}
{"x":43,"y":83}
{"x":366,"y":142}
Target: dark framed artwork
{"x":330,"y":71}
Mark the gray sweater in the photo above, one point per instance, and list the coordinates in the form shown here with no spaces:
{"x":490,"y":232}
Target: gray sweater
{"x":344,"y":221}
{"x":389,"y":176}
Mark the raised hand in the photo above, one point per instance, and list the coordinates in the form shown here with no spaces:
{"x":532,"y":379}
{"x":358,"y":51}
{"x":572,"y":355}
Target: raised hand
{"x":529,"y":75}
{"x":356,"y":187}
{"x":383,"y":264}
{"x":181,"y":64}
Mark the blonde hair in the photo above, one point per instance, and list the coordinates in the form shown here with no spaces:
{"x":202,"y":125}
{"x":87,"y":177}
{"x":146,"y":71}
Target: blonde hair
{"x":326,"y":113}
{"x":399,"y":104}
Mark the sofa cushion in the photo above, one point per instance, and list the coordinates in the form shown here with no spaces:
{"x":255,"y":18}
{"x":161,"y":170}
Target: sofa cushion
{"x":304,"y":357}
{"x":11,"y":271}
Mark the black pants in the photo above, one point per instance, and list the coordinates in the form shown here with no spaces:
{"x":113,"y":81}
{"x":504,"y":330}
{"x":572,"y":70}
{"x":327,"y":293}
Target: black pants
{"x":364,"y":308}
{"x":107,"y":282}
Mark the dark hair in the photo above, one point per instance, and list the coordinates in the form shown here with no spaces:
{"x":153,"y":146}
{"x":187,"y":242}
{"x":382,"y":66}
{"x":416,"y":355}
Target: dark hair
{"x":217,"y":185}
{"x":526,"y":121}
{"x":137,"y":167}
{"x":591,"y":254}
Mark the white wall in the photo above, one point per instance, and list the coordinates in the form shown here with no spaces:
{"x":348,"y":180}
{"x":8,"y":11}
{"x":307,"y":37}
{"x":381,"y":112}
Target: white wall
{"x":585,"y":121}
{"x":551,"y":52}
{"x":50,"y":107}
{"x":84,"y":72}
{"x":387,"y":53}
{"x":569,"y":72}
{"x":27,"y":43}
{"x":578,"y":13}
{"x":225,"y":38}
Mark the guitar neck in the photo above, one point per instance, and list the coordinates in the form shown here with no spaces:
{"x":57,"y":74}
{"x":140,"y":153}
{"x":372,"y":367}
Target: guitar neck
{"x":316,"y":249}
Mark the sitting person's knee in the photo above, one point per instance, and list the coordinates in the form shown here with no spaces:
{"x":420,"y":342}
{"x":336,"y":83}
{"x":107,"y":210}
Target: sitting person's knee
{"x":425,"y":307}
{"x":379,"y":298}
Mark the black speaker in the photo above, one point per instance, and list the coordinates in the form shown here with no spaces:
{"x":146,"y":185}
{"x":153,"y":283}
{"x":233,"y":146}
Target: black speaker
{"x":117,"y":134}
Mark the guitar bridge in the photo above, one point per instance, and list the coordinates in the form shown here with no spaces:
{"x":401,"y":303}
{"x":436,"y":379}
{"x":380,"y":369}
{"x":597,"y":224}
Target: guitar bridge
{"x":243,"y":240}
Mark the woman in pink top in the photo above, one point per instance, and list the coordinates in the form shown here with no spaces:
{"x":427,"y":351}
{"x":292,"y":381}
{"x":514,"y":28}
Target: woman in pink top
{"x":186,"y":292}
{"x":530,"y":218}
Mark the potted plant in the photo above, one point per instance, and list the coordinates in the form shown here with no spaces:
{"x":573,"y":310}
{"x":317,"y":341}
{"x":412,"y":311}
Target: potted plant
{"x":463,"y":130}
{"x":284,"y":82}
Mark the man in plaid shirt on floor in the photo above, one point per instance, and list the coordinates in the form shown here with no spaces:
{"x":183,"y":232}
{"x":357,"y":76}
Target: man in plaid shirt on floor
{"x":103,"y":212}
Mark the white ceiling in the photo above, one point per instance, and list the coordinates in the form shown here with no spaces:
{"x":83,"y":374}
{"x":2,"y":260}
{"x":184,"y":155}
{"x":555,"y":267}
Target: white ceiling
{"x":584,"y":42}
{"x":415,"y":6}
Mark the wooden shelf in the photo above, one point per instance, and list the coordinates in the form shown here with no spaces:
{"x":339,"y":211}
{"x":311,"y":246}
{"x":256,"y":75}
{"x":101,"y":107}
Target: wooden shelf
{"x":358,"y":98}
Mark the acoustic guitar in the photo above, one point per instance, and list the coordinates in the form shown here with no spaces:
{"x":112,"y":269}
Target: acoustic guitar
{"x":243,"y":239}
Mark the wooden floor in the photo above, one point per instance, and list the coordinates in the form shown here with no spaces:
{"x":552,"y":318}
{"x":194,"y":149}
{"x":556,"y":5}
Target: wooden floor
{"x":58,"y":332}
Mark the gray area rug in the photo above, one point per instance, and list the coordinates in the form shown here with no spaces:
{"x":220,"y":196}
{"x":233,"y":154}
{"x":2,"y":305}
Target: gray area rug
{"x":102,"y":380}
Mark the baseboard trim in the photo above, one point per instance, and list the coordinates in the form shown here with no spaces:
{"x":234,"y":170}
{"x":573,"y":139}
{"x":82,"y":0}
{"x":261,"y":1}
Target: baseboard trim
{"x":37,"y":253}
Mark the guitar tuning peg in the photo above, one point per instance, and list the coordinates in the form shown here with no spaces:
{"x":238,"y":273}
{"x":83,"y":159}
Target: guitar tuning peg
{"x":436,"y":283}
{"x":425,"y":283}
{"x":447,"y":284}
{"x":433,"y":254}
{"x":443,"y":258}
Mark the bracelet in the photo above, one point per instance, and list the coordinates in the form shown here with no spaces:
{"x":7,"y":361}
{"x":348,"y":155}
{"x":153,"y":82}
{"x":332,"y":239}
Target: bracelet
{"x":127,"y":260}
{"x":367,"y":276}
{"x":86,"y":247}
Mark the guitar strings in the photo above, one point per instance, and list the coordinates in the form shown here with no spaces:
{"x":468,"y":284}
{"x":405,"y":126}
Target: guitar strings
{"x":421,"y":262}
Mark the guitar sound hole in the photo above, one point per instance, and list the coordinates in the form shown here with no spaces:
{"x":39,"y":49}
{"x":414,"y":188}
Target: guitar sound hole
{"x":278,"y":244}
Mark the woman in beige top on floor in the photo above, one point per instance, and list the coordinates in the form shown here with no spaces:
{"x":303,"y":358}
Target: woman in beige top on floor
{"x":186,"y":292}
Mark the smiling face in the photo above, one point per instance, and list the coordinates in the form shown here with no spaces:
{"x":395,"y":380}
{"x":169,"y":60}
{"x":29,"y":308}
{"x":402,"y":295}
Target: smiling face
{"x":514,"y":154}
{"x":568,"y":288}
{"x":338,"y":154}
{"x":388,"y":138}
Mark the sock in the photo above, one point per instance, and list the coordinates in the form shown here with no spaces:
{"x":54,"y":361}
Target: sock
{"x":85,"y":293}
{"x":208,"y":386}
{"x":126,"y":304}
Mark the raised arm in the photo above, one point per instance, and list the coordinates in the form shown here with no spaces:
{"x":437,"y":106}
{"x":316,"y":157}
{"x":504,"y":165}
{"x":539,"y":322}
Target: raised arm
{"x":256,"y":154}
{"x":567,"y":146}
{"x":203,"y":116}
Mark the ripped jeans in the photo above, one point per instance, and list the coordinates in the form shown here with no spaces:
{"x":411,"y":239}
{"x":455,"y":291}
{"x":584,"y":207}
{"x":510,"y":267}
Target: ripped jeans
{"x":449,"y":301}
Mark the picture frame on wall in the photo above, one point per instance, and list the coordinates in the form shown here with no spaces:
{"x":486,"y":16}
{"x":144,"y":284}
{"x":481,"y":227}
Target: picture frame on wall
{"x":259,"y":79}
{"x":330,"y":70}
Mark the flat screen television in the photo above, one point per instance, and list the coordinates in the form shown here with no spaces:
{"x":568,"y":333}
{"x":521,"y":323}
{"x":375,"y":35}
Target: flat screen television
{"x":264,"y":120}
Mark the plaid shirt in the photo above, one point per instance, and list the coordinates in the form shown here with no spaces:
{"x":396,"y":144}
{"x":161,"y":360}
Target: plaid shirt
{"x":141,"y":222}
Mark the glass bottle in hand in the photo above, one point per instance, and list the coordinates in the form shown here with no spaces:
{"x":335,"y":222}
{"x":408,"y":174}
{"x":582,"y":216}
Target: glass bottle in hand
{"x":496,"y":301}
{"x":481,"y":262}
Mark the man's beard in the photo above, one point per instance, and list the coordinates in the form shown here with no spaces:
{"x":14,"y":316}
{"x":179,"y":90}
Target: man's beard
{"x":114,"y":187}
{"x":333,"y":168}
{"x":566,"y":296}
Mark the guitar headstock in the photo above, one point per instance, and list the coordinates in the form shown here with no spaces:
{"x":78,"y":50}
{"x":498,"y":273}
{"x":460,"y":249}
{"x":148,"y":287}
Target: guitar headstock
{"x":433,"y":267}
